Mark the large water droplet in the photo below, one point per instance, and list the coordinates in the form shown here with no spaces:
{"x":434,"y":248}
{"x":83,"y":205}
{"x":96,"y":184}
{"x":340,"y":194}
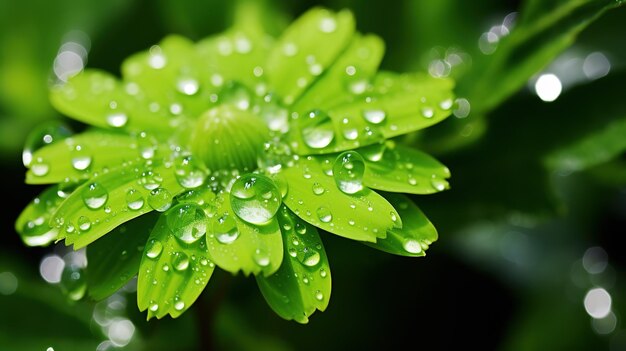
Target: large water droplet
{"x":438,"y":184}
{"x":94,"y":196}
{"x":160,"y":199}
{"x":318,"y":189}
{"x":134,"y":199}
{"x":187,"y":221}
{"x":154,"y":248}
{"x":73,"y":282}
{"x":275,"y":115}
{"x":324,"y":214}
{"x":328,"y":25}
{"x":375,"y":116}
{"x":188,"y":86}
{"x":150,"y":181}
{"x":84,"y":223}
{"x":412,"y":246}
{"x":261,"y":258}
{"x":319,"y":296}
{"x":117,"y":119}
{"x":189,"y":172}
{"x":180,"y":261}
{"x":179,"y":305}
{"x":225,"y":229}
{"x":349,"y":129}
{"x":255,"y":198}
{"x":309,"y":257}
{"x":81,"y":158}
{"x":39,"y":167}
{"x":348,"y":172}
{"x":318,"y":131}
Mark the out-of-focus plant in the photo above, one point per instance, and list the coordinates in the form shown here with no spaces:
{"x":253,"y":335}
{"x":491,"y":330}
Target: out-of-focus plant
{"x":232,"y":152}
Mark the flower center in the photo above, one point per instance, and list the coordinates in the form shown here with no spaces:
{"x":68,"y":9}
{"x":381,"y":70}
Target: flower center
{"x":226,"y":137}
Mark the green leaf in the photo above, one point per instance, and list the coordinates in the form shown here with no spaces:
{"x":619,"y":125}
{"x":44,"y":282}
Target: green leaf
{"x":591,"y":150}
{"x":114,"y":259}
{"x":307,"y":48}
{"x":416,"y":234}
{"x":303,"y":283}
{"x":172,"y":273}
{"x":33,"y":223}
{"x":396,"y":105}
{"x":347,"y":77}
{"x":236,"y":245}
{"x":397,"y":168}
{"x":99,"y":99}
{"x":80,"y":156}
{"x":363,"y":216}
{"x":115,"y":197}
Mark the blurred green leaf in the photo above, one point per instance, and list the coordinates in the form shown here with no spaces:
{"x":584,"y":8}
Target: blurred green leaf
{"x":172,"y":273}
{"x":114,"y":259}
{"x":303,"y":283}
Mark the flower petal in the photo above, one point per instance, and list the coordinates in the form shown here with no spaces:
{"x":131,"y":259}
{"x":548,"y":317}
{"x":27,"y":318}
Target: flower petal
{"x":78,"y":157}
{"x":346,"y":78}
{"x":307,"y":48}
{"x":33,"y":223}
{"x":236,"y":245}
{"x":303,"y":283}
{"x":395,"y":105}
{"x":313,"y":196}
{"x":172,"y":273}
{"x":114,"y":259}
{"x":99,"y":99}
{"x":416,"y":234}
{"x":403,"y":169}
{"x":112,"y":198}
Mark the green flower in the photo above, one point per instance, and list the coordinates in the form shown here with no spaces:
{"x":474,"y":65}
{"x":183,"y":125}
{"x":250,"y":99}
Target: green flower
{"x":233,"y":152}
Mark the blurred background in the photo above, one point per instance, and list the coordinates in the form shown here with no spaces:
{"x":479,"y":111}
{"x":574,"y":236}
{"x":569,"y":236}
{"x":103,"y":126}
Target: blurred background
{"x":529,"y":255}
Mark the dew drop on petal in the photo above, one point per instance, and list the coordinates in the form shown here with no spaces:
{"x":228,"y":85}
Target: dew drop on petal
{"x":374,"y":116}
{"x":187,"y":221}
{"x":180,"y":261}
{"x":117,"y":119}
{"x":318,"y":131}
{"x":348,"y":172}
{"x":134,"y":199}
{"x":412,"y":246}
{"x":94,"y":196}
{"x":324,"y":214}
{"x":225,"y":229}
{"x":261,"y":258}
{"x":255,"y":198}
{"x":154,"y":248}
{"x":160,"y":199}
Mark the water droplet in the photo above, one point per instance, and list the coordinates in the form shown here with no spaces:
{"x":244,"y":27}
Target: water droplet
{"x":261,"y":258}
{"x":427,"y":112}
{"x":134,"y":199}
{"x":309,"y":257}
{"x":324,"y":214}
{"x":255,"y":198}
{"x":317,"y":129}
{"x":154,"y":248}
{"x":292,"y":252}
{"x":39,"y":167}
{"x":438,"y":184}
{"x":319,"y":296}
{"x":94,"y":196}
{"x":348,"y":172}
{"x":160,"y":199}
{"x":188,"y":86}
{"x":117,"y":119}
{"x":373,"y":152}
{"x":374,"y":116}
{"x":156,"y":59}
{"x":180,"y":261}
{"x":328,"y":25}
{"x":154,"y":306}
{"x":187,"y":221}
{"x":275,"y":115}
{"x":179,"y":305}
{"x":150,"y":180}
{"x":146,"y":145}
{"x":349,"y":129}
{"x":166,"y":268}
{"x":73,"y":282}
{"x":318,"y":189}
{"x":412,"y":246}
{"x":189,"y":172}
{"x":300,"y":228}
{"x":323,"y":273}
{"x":81,"y":159}
{"x":84,"y":223}
{"x":445,"y":104}
{"x":225,"y":229}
